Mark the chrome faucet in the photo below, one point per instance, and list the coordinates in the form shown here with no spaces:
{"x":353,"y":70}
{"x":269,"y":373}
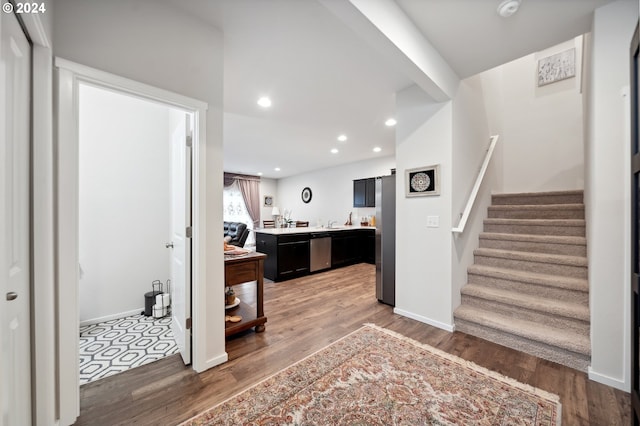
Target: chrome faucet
{"x":331,"y":223}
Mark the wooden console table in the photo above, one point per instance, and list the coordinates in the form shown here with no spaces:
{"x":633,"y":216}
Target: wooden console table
{"x":242,"y":269}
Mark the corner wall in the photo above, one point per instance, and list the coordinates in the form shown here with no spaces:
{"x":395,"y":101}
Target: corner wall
{"x":423,"y":255}
{"x":607,"y":193}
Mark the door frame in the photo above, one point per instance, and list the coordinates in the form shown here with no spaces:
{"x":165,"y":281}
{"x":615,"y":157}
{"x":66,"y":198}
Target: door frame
{"x":635,"y":232}
{"x":69,"y":75}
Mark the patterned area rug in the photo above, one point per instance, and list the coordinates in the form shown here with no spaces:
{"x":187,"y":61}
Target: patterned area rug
{"x":115,"y":346}
{"x":377,"y":377}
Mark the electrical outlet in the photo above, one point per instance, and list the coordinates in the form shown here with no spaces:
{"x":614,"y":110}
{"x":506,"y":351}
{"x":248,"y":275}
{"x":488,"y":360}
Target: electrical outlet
{"x":433,"y":221}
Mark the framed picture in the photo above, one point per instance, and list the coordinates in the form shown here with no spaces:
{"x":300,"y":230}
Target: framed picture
{"x":422,"y":181}
{"x":268,"y":200}
{"x":557,"y":67}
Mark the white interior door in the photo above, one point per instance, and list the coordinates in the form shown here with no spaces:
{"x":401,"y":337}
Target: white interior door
{"x":15,"y":83}
{"x":181,"y":242}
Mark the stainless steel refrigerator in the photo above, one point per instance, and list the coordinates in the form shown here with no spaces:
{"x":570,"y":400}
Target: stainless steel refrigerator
{"x":386,"y":239}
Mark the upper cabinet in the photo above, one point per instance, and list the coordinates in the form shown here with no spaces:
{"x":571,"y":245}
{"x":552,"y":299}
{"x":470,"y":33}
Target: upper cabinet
{"x":364,"y":192}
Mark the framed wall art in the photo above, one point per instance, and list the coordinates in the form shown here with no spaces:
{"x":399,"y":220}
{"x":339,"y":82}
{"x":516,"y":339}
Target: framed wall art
{"x":422,"y":181}
{"x":268,"y":200}
{"x":557,"y":67}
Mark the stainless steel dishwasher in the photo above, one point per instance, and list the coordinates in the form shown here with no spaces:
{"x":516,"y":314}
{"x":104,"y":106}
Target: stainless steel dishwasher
{"x":320,"y":251}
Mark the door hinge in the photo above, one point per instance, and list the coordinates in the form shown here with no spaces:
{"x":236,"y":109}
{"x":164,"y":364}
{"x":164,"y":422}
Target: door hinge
{"x":189,"y":141}
{"x":188,"y":325}
{"x":189,"y":232}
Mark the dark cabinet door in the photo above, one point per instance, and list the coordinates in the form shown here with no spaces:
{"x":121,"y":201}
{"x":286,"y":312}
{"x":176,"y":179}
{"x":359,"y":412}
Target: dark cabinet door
{"x":360,"y":193}
{"x":370,"y":193}
{"x":338,"y":250}
{"x":293,"y":259}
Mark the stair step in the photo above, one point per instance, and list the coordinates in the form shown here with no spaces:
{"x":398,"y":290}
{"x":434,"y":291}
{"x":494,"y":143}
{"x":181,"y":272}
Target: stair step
{"x":566,"y":245}
{"x":552,"y":197}
{"x":553,"y":286}
{"x":541,"y":310}
{"x":557,"y":227}
{"x":537,"y":211}
{"x":554,"y":264}
{"x":558,"y":345}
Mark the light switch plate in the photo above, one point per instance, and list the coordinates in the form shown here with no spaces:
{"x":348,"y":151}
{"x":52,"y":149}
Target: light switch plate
{"x":433,"y":221}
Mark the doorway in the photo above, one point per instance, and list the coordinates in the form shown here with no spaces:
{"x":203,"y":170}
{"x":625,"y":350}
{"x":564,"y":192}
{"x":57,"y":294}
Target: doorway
{"x":125,"y":210}
{"x":635,"y":228}
{"x":68,"y":77}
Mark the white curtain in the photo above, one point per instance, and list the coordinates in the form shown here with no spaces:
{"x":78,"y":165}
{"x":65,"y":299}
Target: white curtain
{"x":235,"y":209}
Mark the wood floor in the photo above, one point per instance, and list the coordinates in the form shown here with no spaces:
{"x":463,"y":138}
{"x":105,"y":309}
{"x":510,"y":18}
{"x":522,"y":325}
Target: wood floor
{"x":304,"y":315}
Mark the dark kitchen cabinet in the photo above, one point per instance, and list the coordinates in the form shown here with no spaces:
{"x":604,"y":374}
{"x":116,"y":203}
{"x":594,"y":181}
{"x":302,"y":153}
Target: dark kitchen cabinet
{"x":287,"y":255}
{"x":346,"y":248}
{"x":364,"y":192}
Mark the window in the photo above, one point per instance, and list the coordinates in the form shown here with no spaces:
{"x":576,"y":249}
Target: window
{"x":235,"y":209}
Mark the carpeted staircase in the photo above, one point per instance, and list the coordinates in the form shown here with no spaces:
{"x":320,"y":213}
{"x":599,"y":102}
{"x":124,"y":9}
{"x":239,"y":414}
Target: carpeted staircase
{"x":528,"y":287}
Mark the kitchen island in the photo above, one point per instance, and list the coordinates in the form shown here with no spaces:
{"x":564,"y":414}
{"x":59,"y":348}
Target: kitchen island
{"x":290,"y":251}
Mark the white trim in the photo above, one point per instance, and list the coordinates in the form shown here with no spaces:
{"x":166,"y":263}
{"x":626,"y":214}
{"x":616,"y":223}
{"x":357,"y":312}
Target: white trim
{"x":43,"y":296}
{"x":66,"y":213}
{"x":70,"y":76}
{"x":98,"y":320}
{"x":121,"y":84}
{"x":447,"y":327}
{"x":609,"y":381}
{"x":36,"y":30}
{"x":212,"y":362}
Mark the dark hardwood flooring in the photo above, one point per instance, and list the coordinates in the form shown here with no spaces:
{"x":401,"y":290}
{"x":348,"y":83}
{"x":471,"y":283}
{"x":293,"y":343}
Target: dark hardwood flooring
{"x":304,"y":315}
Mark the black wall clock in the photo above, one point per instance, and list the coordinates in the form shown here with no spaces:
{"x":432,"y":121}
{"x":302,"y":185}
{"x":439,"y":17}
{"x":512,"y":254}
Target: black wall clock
{"x":306,"y":194}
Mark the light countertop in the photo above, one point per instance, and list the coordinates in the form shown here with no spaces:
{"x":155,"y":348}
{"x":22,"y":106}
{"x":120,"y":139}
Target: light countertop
{"x":308,"y":230}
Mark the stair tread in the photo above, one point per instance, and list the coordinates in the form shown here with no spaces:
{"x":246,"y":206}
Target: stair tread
{"x":528,"y":301}
{"x":549,"y":280}
{"x":554,"y":239}
{"x":534,"y":222}
{"x":567,"y":206}
{"x":560,"y":338}
{"x":560,"y":259}
{"x":539,"y":194}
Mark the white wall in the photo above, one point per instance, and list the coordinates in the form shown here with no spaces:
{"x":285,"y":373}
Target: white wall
{"x":540,"y":128}
{"x":607,"y":193}
{"x":332,"y":191}
{"x":124,"y":202}
{"x":470,"y":143}
{"x":153,"y":43}
{"x":423,"y":255}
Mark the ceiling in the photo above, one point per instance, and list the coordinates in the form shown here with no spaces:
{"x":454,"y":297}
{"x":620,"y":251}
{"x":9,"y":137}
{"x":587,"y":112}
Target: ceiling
{"x":325,"y":81}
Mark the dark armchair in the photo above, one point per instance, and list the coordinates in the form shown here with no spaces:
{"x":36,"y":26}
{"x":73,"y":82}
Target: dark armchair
{"x":238,"y":232}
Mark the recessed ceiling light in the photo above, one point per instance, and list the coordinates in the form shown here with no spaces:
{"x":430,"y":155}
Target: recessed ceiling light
{"x":277,"y":169}
{"x":342,"y":138}
{"x":390,"y":122}
{"x":264,"y":102}
{"x":334,"y":150}
{"x":259,"y":173}
{"x":377,"y":149}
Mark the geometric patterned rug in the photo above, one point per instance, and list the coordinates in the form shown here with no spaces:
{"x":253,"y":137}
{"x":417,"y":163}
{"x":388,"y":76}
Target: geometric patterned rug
{"x":377,"y":376}
{"x":117,"y":345}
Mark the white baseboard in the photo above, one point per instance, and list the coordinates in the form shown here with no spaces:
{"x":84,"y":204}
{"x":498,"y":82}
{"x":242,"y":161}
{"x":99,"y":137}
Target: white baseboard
{"x":447,"y":327}
{"x":212,"y":362}
{"x":609,"y":381}
{"x":111,"y":317}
